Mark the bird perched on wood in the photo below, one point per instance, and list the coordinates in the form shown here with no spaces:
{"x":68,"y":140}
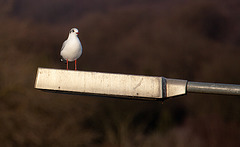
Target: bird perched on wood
{"x":71,"y":48}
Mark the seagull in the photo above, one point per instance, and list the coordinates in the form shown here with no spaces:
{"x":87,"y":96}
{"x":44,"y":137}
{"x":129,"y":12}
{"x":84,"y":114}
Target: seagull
{"x":71,"y":48}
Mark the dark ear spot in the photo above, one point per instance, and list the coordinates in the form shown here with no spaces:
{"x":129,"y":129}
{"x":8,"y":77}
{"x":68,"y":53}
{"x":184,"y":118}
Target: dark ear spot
{"x":71,"y":31}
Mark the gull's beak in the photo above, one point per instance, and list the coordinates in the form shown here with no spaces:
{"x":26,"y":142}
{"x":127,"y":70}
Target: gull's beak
{"x":77,"y":33}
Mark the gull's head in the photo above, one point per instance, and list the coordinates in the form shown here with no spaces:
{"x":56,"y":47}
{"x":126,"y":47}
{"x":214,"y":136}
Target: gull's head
{"x":73,"y":31}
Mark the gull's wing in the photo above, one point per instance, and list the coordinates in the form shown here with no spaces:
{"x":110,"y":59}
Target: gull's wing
{"x":64,"y":44}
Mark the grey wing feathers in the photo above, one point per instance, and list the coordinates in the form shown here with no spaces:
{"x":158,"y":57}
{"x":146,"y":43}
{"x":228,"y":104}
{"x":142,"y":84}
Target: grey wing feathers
{"x":64,"y":44}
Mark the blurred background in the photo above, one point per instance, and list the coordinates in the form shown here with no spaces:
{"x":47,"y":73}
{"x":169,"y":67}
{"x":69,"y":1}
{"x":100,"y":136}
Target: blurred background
{"x":197,"y":40}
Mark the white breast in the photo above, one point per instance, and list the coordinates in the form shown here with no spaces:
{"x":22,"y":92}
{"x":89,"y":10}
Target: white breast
{"x":72,"y":49}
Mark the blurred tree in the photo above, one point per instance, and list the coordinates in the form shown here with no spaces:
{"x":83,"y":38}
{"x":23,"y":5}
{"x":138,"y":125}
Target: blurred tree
{"x":6,"y":7}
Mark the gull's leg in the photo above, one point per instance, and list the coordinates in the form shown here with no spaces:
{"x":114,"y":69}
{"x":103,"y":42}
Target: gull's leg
{"x":75,"y":64}
{"x":67,"y":64}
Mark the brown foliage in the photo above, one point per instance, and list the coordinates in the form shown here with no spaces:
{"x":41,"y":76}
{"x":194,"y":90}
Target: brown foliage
{"x":194,"y":40}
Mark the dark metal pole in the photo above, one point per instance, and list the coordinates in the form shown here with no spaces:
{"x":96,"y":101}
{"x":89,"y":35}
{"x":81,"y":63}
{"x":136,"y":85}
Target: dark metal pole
{"x":213,"y":88}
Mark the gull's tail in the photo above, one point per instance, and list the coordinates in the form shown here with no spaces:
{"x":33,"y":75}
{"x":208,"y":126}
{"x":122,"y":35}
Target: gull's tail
{"x":63,"y":60}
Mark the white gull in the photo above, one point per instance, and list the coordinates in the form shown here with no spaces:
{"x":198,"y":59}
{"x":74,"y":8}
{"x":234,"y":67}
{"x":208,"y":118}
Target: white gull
{"x":71,"y":48}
